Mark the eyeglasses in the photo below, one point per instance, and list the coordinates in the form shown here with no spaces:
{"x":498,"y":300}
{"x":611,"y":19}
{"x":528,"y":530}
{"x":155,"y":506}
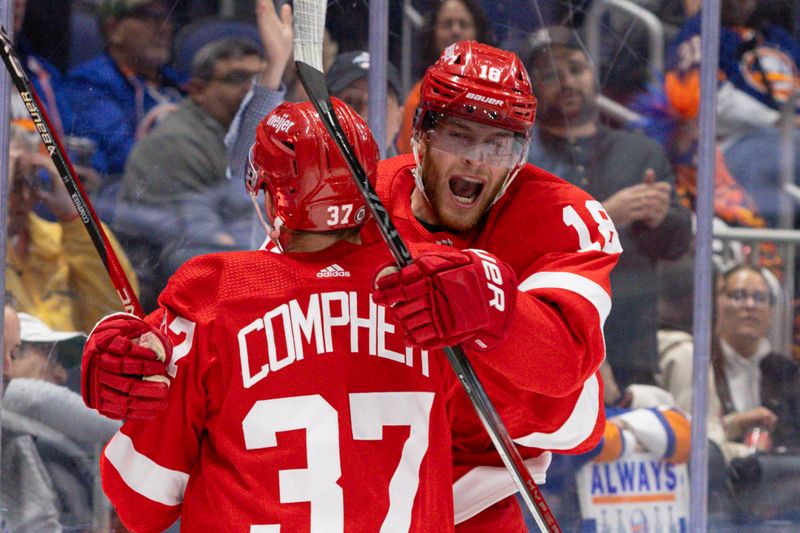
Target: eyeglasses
{"x":235,"y":77}
{"x":741,"y":297}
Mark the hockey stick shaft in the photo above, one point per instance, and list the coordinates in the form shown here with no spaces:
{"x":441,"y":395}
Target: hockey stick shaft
{"x":68,"y":175}
{"x":314,"y":83}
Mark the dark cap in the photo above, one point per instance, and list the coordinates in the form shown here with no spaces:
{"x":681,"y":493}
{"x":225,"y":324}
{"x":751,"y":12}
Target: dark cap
{"x":544,"y":39}
{"x":352,"y":66}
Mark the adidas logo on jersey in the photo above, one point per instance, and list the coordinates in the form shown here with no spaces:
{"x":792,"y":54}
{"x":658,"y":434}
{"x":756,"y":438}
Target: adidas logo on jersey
{"x":333,"y":271}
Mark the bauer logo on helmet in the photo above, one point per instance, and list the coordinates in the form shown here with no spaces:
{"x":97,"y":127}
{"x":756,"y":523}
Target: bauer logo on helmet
{"x":485,"y":99}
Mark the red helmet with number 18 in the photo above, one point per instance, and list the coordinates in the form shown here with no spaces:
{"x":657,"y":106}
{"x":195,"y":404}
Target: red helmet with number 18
{"x":481,"y":83}
{"x":298,"y":165}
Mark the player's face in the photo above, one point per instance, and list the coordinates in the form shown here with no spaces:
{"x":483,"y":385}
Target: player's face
{"x":744,"y":307}
{"x":464,"y":164}
{"x":564,"y":86}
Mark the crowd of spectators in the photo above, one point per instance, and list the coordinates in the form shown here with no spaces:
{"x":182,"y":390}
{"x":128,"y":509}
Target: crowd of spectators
{"x":163,"y":155}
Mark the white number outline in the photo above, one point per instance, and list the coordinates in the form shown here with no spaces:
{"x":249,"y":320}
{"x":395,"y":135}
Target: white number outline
{"x":335,"y":214}
{"x":605,"y":226}
{"x":369,"y":413}
{"x":490,"y":73}
{"x":180,"y":326}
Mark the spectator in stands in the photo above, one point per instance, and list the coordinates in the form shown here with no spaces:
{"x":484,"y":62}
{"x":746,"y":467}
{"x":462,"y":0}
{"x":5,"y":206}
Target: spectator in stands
{"x":183,"y":158}
{"x":625,"y":45}
{"x":752,"y":386}
{"x":757,"y":387}
{"x":758,"y":73}
{"x":446,"y":23}
{"x":629,"y":174}
{"x":45,"y":77}
{"x":48,"y":424}
{"x":676,"y":343}
{"x":52,"y":268}
{"x":347,"y":80}
{"x":125,"y":89}
{"x":26,"y":498}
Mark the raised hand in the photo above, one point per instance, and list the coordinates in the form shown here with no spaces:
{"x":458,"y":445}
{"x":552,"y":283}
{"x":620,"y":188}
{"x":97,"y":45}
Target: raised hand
{"x":277,"y":37}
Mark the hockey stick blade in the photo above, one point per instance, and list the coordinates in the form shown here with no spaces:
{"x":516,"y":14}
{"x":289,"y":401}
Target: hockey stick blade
{"x":314,"y":83}
{"x":68,"y":175}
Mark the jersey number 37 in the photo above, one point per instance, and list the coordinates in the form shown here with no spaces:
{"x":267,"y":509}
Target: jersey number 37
{"x":317,"y":484}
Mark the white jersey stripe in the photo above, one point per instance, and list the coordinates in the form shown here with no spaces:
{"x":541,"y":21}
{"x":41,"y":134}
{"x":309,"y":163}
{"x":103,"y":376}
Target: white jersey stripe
{"x":568,"y":281}
{"x":484,"y":486}
{"x":581,"y":421}
{"x":576,"y":428}
{"x":143,"y":475}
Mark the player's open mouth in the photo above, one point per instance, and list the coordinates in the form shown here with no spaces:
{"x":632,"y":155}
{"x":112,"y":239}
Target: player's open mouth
{"x":466,"y":190}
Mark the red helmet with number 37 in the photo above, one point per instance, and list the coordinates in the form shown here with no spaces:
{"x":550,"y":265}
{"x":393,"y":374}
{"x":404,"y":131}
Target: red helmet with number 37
{"x":481,"y":83}
{"x":298,"y":165}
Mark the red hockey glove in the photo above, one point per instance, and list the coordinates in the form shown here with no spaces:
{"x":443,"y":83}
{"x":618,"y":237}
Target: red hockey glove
{"x":447,"y":298}
{"x":123,"y":374}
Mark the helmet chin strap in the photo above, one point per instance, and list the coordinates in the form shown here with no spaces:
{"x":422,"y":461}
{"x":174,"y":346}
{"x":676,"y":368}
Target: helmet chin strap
{"x":417,"y":172}
{"x":512,"y":174}
{"x":273,"y":231}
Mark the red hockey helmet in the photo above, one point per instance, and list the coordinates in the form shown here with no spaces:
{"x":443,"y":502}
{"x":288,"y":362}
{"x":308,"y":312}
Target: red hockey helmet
{"x":481,"y":83}
{"x":298,"y":165}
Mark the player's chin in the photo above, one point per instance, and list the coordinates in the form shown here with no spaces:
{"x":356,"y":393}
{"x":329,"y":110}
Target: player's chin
{"x":461,"y":218}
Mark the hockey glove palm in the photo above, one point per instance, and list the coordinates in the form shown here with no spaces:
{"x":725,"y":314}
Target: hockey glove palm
{"x":123,"y":374}
{"x":447,"y":298}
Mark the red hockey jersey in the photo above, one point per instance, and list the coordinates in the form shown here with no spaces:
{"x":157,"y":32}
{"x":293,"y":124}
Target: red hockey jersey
{"x":294,"y":406}
{"x":562,"y":246}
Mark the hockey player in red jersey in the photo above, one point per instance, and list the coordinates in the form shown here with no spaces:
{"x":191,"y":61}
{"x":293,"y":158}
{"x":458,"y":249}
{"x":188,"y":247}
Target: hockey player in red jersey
{"x":294,"y":404}
{"x":468,"y":185}
{"x":473,"y":189}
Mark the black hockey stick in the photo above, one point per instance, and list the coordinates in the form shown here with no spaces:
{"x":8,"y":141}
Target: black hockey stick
{"x":68,"y":175}
{"x":314,"y":83}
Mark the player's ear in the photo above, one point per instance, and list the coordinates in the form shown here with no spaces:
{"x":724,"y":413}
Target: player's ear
{"x":419,"y":143}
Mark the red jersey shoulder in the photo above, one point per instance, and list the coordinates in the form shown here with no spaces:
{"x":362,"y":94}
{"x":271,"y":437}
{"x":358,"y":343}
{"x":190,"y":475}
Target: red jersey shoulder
{"x":391,"y":172}
{"x":541,"y":213}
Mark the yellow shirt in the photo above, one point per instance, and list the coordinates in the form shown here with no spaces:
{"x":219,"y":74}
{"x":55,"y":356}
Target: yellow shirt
{"x":62,"y":280}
